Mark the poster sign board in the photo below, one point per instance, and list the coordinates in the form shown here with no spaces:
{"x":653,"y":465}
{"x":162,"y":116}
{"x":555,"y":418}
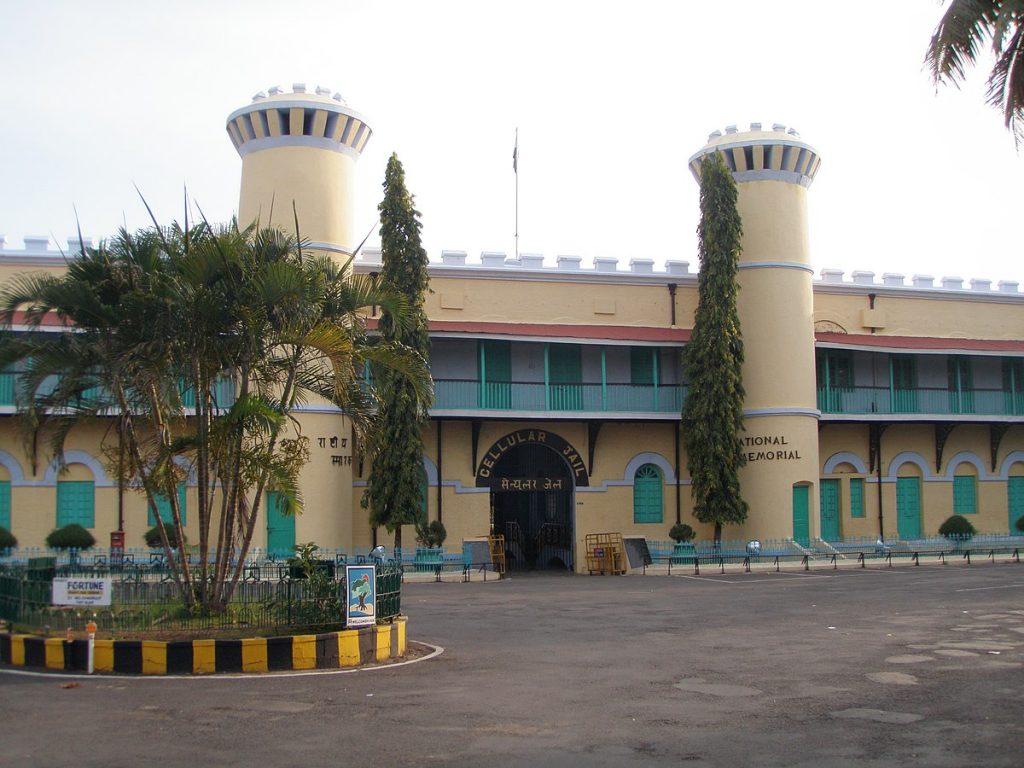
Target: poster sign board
{"x":81,"y":591}
{"x":361,"y":597}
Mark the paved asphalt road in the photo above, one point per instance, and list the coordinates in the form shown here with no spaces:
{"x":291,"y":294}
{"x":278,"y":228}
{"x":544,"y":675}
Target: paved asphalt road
{"x":878,"y":667}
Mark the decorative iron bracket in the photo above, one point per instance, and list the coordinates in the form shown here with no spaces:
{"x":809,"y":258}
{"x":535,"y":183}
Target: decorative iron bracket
{"x":996,"y":430}
{"x":875,"y":431}
{"x":942,"y":432}
{"x":593,"y":429}
{"x":477,"y":424}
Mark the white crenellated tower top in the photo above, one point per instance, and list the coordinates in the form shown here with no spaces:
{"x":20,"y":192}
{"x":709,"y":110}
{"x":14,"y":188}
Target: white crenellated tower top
{"x":758,"y":154}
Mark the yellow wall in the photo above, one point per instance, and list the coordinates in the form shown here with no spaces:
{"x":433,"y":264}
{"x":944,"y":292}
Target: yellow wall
{"x":906,"y":313}
{"x":559,"y":301}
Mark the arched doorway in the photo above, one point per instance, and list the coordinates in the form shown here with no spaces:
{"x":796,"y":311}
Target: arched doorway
{"x":532,"y":506}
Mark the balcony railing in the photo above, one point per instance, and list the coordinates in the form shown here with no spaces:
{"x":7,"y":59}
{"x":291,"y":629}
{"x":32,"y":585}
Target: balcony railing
{"x":461,"y":394}
{"x":224,"y":391}
{"x":943,"y":402}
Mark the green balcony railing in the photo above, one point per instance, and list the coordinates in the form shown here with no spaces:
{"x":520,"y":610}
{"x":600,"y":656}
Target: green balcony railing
{"x":224,"y":391}
{"x":921,"y":400}
{"x":464,"y":394}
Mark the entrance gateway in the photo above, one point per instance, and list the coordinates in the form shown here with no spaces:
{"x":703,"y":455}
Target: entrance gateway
{"x":532,"y":475}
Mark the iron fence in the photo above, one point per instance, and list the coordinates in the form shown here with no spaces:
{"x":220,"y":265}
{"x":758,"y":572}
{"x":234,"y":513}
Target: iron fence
{"x":272,"y":598}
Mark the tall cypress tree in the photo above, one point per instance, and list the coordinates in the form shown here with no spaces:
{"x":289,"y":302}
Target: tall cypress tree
{"x":394,"y":488}
{"x":713,"y":412}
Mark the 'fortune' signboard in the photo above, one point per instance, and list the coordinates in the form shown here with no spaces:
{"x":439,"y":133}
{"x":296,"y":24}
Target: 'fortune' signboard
{"x":81,"y":591}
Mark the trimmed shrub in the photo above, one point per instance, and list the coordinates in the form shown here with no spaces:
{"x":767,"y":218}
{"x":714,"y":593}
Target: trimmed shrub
{"x":1019,"y":525}
{"x":681,"y":532}
{"x":152,"y":536}
{"x":7,"y":539}
{"x":431,"y":535}
{"x":957,"y":527}
{"x":438,"y":533}
{"x":71,"y":536}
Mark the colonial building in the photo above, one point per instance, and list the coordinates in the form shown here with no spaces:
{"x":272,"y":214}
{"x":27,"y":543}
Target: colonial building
{"x":875,"y":406}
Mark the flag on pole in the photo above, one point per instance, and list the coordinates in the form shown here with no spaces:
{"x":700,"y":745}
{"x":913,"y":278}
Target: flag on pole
{"x":515,"y":154}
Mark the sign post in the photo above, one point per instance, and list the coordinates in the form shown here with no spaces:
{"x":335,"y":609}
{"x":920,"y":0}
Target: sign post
{"x":361,"y":597}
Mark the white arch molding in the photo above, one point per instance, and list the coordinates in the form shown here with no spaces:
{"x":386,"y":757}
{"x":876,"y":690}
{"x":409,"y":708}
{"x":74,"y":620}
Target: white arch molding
{"x":649,"y":458}
{"x":13,"y":467}
{"x":99,"y":475}
{"x":431,"y":469}
{"x":845,"y":457}
{"x":1008,"y":462}
{"x":908,"y":457}
{"x":966,"y":457}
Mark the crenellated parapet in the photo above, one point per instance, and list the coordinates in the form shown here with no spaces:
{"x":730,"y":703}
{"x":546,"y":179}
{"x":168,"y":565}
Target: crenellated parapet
{"x":778,"y":154}
{"x":279,"y":119}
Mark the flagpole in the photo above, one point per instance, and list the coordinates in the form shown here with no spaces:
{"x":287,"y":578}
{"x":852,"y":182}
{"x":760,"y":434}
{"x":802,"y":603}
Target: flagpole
{"x":515,"y":168}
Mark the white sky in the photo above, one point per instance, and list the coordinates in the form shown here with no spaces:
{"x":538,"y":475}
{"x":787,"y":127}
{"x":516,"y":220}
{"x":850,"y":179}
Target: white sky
{"x":610,"y":100}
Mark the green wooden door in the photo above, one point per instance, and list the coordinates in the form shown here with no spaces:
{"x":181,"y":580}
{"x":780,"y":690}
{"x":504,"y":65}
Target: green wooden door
{"x":903,"y":384}
{"x":565,"y":371}
{"x":5,"y":504}
{"x":280,"y":527}
{"x":830,"y":510}
{"x":961,"y":385}
{"x":495,"y":374}
{"x":908,"y":507}
{"x":1015,"y":501}
{"x":801,"y":526}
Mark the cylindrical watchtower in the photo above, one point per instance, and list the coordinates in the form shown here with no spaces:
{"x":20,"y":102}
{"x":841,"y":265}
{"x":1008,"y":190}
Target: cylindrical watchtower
{"x":300,"y":148}
{"x":773,"y":170}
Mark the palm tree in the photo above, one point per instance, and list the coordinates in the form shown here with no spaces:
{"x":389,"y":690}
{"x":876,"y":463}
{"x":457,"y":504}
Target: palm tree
{"x":957,"y":42}
{"x":203,"y":342}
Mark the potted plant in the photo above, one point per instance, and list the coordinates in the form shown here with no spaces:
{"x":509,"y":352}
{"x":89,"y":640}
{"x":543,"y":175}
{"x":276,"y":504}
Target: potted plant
{"x":957,"y":529}
{"x":307,"y":564}
{"x":683,"y":551}
{"x":431,"y":537}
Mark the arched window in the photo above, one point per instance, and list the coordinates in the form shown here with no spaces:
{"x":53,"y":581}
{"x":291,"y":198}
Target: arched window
{"x":647,"y":494}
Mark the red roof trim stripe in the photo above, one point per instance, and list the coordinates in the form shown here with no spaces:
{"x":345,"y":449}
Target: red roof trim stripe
{"x":921,"y":342}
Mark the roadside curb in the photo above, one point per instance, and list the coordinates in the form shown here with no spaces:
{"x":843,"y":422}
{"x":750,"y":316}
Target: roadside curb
{"x":332,"y":650}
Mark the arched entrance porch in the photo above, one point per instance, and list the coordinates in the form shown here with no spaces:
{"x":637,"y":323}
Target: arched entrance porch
{"x":532,"y":476}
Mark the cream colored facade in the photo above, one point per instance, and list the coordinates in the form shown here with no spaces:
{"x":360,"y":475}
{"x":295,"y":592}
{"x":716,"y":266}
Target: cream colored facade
{"x":875,"y":406}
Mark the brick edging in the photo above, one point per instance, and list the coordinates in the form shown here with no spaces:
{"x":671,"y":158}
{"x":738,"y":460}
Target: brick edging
{"x":332,"y":650}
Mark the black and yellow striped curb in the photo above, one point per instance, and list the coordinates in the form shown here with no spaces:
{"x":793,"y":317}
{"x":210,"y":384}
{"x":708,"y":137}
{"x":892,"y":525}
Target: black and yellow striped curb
{"x":333,"y":650}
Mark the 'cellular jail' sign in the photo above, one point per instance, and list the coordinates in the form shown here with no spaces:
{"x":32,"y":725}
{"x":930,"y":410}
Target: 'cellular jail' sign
{"x":558,"y":444}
